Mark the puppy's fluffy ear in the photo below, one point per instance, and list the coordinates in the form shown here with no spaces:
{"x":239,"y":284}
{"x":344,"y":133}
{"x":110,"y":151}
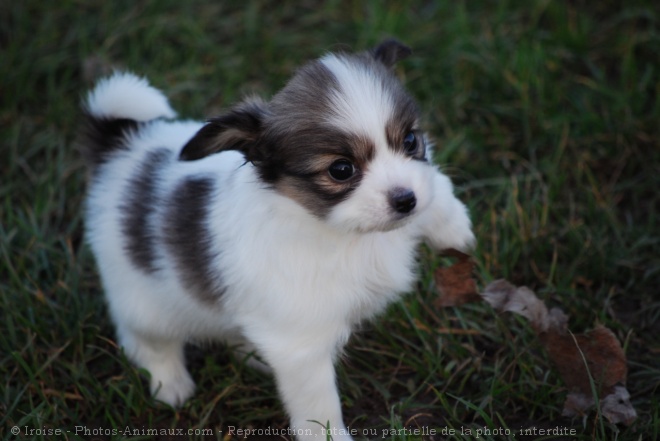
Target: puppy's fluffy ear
{"x":239,"y":129}
{"x":390,"y":51}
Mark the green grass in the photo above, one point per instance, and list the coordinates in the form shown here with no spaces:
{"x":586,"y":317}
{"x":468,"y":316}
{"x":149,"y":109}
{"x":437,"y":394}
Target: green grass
{"x":546,"y":114}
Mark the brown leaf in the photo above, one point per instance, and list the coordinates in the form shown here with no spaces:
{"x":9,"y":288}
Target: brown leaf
{"x":605,"y":360}
{"x":596,"y":353}
{"x":455,"y":283}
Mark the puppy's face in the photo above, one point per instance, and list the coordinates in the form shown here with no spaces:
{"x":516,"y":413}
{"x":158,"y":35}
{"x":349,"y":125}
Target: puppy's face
{"x":342,"y":139}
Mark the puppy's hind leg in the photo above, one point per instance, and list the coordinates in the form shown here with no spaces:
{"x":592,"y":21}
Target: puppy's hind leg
{"x":170,"y":381}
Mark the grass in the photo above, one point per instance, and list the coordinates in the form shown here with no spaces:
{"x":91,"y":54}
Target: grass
{"x":545,"y":114}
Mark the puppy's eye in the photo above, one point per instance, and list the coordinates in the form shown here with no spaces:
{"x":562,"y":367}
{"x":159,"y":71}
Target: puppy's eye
{"x":341,"y":170}
{"x":410,"y":144}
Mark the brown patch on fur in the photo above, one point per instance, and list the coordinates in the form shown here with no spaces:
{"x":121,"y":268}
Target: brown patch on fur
{"x":315,"y":189}
{"x":404,"y":120}
{"x":189,"y":240}
{"x":238,"y":129}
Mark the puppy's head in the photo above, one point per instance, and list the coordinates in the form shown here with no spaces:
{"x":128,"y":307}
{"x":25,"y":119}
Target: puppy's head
{"x":342,"y":139}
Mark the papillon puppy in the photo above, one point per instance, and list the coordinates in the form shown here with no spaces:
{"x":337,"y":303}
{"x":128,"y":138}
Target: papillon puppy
{"x":276,"y":227}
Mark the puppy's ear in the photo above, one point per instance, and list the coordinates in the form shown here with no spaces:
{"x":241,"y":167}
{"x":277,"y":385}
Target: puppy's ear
{"x":390,"y":51}
{"x":239,"y":129}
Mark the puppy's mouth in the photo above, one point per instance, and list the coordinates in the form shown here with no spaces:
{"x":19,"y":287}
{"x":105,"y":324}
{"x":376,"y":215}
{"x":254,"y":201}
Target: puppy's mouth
{"x":392,"y":226}
{"x":398,"y":220}
{"x":390,"y":222}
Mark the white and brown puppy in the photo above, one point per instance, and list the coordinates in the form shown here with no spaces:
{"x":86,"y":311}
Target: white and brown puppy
{"x":279,"y":225}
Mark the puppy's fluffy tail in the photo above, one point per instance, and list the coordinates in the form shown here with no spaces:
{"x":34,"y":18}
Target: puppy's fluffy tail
{"x":115,"y":108}
{"x":127,"y":96}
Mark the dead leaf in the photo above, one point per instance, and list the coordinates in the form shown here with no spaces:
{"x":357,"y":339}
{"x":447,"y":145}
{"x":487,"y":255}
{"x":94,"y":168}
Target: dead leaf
{"x":605,"y":363}
{"x":455,"y":283}
{"x":605,"y":360}
{"x":504,"y":297}
{"x":596,"y":354}
{"x":617,"y":407}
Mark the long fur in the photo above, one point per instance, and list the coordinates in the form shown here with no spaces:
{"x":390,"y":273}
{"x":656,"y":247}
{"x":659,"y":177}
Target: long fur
{"x":235,"y":229}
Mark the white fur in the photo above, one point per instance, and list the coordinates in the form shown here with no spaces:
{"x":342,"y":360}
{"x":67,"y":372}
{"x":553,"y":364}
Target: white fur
{"x":360,"y":105}
{"x":125,"y":95}
{"x":297,"y":285}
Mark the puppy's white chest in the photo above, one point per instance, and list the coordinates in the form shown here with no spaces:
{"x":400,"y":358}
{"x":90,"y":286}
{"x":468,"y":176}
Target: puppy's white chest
{"x":306,"y":274}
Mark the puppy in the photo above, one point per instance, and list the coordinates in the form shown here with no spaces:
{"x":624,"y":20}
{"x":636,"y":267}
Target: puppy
{"x":279,"y":225}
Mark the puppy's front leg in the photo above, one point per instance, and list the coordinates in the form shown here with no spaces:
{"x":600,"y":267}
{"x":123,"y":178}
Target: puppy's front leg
{"x":446,"y":224}
{"x":306,"y":382}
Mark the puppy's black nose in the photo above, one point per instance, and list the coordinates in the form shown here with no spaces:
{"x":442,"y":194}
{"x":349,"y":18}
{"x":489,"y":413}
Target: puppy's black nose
{"x":402,"y":200}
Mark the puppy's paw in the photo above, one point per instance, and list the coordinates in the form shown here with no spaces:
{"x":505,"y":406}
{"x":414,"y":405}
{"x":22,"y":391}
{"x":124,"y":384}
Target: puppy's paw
{"x":459,"y":234}
{"x":450,"y":228}
{"x":446,"y":224}
{"x":173,"y":387}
